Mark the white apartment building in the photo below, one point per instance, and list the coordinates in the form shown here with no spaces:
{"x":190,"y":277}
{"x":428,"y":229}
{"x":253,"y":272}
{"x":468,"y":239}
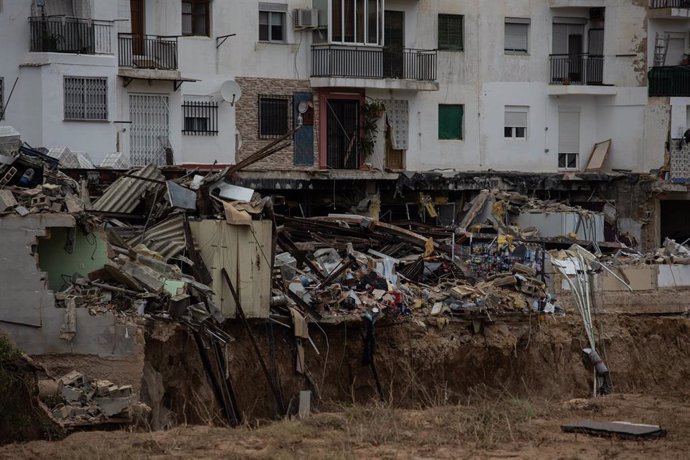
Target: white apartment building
{"x":506,"y":85}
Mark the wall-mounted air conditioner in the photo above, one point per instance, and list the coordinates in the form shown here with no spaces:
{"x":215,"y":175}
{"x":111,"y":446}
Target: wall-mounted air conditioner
{"x":306,"y":19}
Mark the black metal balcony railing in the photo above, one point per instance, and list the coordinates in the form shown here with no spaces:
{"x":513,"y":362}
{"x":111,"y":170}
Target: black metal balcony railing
{"x":669,"y":4}
{"x":669,"y":81}
{"x":370,"y":62}
{"x":576,"y":69}
{"x":147,"y":52}
{"x":61,"y":34}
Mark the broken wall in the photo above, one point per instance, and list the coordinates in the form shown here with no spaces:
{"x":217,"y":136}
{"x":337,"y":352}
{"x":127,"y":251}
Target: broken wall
{"x":28,"y":313}
{"x":66,"y":251}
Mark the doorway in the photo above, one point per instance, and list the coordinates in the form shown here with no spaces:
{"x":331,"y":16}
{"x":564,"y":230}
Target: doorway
{"x":674,"y":220}
{"x":136,"y":10}
{"x":342,"y":133}
{"x":150,"y":129}
{"x":394,"y":40}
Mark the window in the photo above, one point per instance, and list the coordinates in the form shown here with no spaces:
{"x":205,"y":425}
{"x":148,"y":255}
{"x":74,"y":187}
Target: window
{"x":86,"y":98}
{"x":450,"y":32}
{"x":200,"y":117}
{"x":274,"y":116}
{"x":516,"y":35}
{"x":567,"y":160}
{"x":515,"y":125}
{"x":450,"y":121}
{"x":357,"y":21}
{"x":272,"y":22}
{"x":195,"y":17}
{"x":568,"y":137}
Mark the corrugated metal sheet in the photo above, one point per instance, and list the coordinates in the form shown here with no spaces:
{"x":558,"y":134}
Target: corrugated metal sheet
{"x":126,"y":192}
{"x":166,"y":238}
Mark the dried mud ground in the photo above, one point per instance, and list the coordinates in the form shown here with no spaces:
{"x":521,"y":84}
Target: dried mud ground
{"x":487,"y":427}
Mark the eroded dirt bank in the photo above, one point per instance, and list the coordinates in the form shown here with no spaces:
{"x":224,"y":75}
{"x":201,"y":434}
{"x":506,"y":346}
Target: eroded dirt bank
{"x":419,"y":366}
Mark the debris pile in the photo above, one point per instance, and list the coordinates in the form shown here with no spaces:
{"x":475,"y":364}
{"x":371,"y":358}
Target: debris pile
{"x":90,"y":401}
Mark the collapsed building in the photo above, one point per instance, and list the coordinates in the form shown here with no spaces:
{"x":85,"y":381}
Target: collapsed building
{"x":99,"y":265}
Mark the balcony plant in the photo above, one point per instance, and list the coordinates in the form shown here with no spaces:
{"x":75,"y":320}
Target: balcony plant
{"x":372,"y":110}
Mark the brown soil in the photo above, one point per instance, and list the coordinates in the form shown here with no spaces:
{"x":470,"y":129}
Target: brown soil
{"x":449,"y":391}
{"x":507,"y":428}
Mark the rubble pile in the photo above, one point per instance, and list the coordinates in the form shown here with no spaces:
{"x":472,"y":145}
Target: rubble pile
{"x":92,"y":401}
{"x":343,"y":266}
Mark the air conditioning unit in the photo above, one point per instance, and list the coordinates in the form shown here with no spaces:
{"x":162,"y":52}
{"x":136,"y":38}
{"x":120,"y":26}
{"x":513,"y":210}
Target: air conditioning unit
{"x":306,"y":19}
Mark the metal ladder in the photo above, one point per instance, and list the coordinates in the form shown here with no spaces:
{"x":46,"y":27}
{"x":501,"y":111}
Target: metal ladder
{"x":660,"y":49}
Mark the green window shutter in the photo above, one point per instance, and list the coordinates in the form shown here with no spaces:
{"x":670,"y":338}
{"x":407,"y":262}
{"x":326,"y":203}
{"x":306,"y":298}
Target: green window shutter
{"x":450,"y":121}
{"x":450,"y":34}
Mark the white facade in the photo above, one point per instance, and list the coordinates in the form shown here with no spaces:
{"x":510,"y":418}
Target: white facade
{"x":482,"y":77}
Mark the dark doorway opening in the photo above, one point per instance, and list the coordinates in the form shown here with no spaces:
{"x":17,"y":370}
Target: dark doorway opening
{"x":675,"y":220}
{"x":342,"y":129}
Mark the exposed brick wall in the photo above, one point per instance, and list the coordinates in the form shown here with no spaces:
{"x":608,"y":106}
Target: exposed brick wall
{"x":247,"y":120}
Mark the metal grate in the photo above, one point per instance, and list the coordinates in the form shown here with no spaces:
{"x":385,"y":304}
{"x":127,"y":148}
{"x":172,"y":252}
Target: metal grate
{"x":275,"y":116}
{"x":86,"y":98}
{"x":200,"y":118}
{"x":70,"y":35}
{"x":149,"y":131}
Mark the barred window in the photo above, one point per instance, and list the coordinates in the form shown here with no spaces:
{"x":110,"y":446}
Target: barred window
{"x":86,"y":98}
{"x":200,"y":118}
{"x":274,"y":116}
{"x":450,"y":32}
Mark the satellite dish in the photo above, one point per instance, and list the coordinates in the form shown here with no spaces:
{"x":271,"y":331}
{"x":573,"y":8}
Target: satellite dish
{"x":303,"y":107}
{"x":230,"y":91}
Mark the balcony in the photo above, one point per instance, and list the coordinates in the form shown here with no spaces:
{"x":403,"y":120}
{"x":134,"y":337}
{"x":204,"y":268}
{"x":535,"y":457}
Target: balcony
{"x":147,"y":52}
{"x":669,"y":81}
{"x":373,"y":67}
{"x":577,"y":74}
{"x":61,"y":34}
{"x":669,"y":9}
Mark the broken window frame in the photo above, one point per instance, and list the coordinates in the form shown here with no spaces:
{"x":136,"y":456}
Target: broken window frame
{"x":80,"y":101}
{"x":274,"y":16}
{"x":199,"y":12}
{"x":451,"y":32}
{"x":271,"y":122}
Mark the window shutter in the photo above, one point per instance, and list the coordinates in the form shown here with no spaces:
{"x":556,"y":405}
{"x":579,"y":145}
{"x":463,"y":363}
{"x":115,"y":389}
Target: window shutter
{"x":450,"y":121}
{"x":450,"y":33}
{"x":516,"y":117}
{"x":516,"y":37}
{"x":569,"y":132}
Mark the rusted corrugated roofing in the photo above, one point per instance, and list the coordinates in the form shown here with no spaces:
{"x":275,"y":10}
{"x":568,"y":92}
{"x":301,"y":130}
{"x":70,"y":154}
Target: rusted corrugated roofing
{"x":125,"y":194}
{"x":166,"y":238}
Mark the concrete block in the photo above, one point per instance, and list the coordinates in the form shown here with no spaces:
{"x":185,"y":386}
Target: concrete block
{"x":6,"y":200}
{"x":112,"y":406}
{"x":72,"y":378}
{"x":72,"y":394}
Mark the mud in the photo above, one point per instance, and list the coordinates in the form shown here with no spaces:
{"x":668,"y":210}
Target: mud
{"x":420,"y":365}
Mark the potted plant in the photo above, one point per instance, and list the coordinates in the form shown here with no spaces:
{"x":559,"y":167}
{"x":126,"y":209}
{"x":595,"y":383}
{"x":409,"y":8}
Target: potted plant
{"x":372,"y":111}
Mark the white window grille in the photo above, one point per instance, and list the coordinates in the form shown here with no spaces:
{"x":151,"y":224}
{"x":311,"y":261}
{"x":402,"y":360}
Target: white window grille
{"x":86,"y":98}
